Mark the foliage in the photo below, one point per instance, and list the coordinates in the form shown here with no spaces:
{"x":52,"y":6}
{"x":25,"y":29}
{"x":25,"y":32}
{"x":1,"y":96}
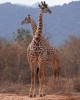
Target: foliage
{"x":13,"y":58}
{"x":14,"y":65}
{"x":70,"y":57}
{"x":22,"y":37}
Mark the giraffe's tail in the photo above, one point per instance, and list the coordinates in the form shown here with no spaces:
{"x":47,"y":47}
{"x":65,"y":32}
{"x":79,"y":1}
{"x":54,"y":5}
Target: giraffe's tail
{"x":37,"y":74}
{"x":37,"y":71}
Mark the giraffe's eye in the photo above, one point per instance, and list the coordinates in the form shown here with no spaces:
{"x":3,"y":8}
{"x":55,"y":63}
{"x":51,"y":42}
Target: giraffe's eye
{"x":42,"y":7}
{"x":25,"y":18}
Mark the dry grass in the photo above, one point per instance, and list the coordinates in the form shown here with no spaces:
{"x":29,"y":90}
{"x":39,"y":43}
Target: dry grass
{"x":19,"y":89}
{"x":63,"y":85}
{"x":15,"y":70}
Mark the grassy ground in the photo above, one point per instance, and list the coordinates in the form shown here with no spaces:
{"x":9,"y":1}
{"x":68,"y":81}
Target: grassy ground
{"x":63,"y":86}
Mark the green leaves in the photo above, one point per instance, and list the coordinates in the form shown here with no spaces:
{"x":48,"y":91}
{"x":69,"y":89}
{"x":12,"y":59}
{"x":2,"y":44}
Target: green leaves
{"x":22,"y":37}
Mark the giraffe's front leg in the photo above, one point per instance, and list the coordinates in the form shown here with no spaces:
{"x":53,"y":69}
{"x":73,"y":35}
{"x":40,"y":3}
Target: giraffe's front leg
{"x":41,"y":79}
{"x":44,"y":80}
{"x":33,"y":76}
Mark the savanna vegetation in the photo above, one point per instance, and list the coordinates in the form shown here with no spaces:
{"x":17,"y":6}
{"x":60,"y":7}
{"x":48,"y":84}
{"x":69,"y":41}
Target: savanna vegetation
{"x":15,"y":70}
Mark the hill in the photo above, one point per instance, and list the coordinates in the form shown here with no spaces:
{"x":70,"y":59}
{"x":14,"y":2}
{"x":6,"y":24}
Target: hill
{"x":63,"y":21}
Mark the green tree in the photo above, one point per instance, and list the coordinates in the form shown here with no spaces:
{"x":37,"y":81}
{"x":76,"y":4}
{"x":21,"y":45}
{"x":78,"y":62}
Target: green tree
{"x":22,"y":37}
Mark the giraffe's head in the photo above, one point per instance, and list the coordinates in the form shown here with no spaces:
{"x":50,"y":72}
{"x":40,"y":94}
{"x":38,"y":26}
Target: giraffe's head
{"x":44,"y":8}
{"x":26,"y":20}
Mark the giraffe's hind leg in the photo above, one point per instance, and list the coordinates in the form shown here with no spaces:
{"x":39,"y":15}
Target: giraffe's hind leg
{"x":55,"y":67}
{"x":44,"y":81}
{"x":33,"y":78}
{"x":40,"y":79}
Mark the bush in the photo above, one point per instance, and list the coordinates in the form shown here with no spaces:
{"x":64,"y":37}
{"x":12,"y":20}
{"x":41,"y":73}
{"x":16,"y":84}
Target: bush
{"x":14,"y":66}
{"x":70,"y":57}
{"x":13,"y":60}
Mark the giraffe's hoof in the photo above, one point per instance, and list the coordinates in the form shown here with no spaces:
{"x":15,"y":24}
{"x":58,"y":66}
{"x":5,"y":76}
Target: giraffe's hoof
{"x":44,"y":94}
{"x":40,"y":95}
{"x":34,"y":95}
{"x":30,"y":95}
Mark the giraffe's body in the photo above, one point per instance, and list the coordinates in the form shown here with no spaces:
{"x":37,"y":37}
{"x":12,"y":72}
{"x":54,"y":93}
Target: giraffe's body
{"x":27,"y":20}
{"x":37,"y":53}
{"x":52,"y":52}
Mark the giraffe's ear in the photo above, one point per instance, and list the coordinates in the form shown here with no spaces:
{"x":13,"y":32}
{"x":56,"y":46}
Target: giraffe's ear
{"x":28,"y":15}
{"x":39,"y":5}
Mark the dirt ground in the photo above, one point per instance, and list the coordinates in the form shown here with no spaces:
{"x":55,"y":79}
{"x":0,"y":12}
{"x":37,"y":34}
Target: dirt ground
{"x":47,"y":97}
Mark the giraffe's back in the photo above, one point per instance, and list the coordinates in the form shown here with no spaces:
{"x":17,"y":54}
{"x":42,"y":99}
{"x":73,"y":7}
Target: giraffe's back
{"x":52,"y":53}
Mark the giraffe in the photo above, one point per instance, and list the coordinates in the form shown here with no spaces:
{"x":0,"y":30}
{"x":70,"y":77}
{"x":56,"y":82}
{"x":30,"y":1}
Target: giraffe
{"x":51,"y":58}
{"x":37,"y":54}
{"x":29,"y":20}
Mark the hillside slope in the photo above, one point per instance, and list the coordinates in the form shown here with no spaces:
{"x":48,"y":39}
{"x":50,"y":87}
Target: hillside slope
{"x":63,"y":21}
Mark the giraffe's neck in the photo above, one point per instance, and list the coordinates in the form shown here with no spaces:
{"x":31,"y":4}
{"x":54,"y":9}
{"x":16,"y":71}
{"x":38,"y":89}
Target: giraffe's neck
{"x":40,"y":25}
{"x":33,"y":25}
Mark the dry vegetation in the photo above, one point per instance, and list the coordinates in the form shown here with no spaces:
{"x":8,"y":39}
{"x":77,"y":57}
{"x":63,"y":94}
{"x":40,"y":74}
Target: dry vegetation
{"x":15,"y":71}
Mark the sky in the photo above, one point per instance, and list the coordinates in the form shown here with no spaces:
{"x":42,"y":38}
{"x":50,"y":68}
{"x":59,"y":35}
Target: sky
{"x":31,"y":2}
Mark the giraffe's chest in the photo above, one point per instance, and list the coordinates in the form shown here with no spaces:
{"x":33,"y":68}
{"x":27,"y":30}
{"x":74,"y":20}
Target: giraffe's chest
{"x":37,"y":47}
